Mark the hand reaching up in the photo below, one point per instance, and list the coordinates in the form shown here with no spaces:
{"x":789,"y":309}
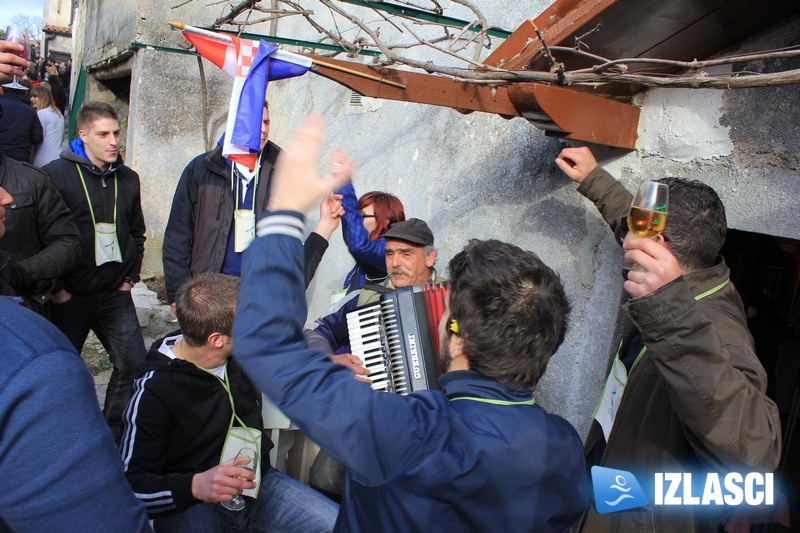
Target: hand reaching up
{"x":296,"y":184}
{"x":576,"y":163}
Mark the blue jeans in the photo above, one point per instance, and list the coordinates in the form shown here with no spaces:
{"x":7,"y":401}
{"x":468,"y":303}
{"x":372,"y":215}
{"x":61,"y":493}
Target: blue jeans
{"x":112,"y":317}
{"x":283,"y":505}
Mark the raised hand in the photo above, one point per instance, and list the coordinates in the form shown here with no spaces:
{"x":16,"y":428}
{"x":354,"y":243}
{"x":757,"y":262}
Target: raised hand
{"x":296,"y":184}
{"x":576,"y":163}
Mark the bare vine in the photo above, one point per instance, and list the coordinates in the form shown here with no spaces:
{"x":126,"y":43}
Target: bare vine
{"x":467,"y":44}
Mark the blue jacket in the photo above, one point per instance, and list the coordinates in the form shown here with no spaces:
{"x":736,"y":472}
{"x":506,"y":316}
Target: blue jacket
{"x":369,"y":255}
{"x":480,"y":458}
{"x":59,"y":469}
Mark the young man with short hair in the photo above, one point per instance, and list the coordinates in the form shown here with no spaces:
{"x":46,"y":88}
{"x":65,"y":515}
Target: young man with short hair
{"x":190,"y":396}
{"x":104,"y":197}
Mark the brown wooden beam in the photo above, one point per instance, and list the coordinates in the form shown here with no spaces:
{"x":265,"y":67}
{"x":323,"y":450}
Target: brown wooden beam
{"x":559,"y":111}
{"x":577,"y":115}
{"x":419,"y":88}
{"x":557,"y":22}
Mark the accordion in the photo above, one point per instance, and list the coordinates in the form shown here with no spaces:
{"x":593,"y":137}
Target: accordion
{"x":397,"y":338}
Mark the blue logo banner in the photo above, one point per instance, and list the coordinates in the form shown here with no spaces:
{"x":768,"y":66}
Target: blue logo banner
{"x":616,"y":490}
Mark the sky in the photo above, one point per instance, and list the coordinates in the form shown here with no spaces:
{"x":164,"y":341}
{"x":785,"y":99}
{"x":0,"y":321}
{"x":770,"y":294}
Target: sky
{"x":9,"y":8}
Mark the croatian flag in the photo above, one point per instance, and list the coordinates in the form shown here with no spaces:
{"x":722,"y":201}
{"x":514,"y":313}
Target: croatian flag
{"x":251,"y":64}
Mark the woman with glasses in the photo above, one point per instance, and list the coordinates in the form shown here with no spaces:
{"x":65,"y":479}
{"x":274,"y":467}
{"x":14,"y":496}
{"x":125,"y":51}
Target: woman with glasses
{"x":52,"y":124}
{"x":364,"y":221}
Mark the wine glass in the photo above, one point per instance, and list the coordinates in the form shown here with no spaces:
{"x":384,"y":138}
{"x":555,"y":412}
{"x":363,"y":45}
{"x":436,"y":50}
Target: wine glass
{"x":18,"y":35}
{"x":648,"y":214}
{"x":237,"y":503}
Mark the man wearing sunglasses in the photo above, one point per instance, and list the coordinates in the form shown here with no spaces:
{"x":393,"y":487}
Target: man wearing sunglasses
{"x":694,"y":390}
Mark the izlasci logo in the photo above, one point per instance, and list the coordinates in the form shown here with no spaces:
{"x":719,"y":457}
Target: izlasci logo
{"x":616,"y":490}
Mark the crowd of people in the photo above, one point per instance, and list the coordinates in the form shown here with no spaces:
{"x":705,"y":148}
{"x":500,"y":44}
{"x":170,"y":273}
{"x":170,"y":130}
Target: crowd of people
{"x":478,"y":455}
{"x":32,"y":130}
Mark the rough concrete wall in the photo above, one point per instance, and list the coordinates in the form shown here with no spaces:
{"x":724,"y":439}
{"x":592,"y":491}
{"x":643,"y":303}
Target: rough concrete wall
{"x":57,"y":12}
{"x":109,"y":27}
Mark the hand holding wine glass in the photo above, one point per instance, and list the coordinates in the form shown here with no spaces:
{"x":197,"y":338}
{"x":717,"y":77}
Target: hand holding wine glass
{"x":647,"y":215}
{"x":650,"y":264}
{"x":11,"y":61}
{"x":247,"y":458}
{"x":19,"y":36}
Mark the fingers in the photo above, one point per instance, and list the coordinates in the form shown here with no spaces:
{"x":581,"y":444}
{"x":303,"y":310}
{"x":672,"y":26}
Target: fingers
{"x":10,"y":64}
{"x":342,"y":173}
{"x":335,"y":205}
{"x":341,"y":164}
{"x":576,"y":162}
{"x":222,"y":482}
{"x":352,"y":362}
{"x":658,"y":266}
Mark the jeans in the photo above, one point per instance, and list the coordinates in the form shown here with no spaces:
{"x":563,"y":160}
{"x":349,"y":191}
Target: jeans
{"x":112,"y":317}
{"x":283,"y":505}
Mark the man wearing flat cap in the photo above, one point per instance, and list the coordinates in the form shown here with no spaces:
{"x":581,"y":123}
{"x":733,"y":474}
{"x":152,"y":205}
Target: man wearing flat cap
{"x":410,"y":257}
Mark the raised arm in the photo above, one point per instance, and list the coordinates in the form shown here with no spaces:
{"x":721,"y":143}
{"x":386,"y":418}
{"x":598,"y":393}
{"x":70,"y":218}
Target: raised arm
{"x":341,"y":414}
{"x":610,"y":197}
{"x":364,"y":250}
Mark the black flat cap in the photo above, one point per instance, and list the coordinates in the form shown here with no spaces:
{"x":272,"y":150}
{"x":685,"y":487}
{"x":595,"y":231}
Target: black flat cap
{"x":412,"y":230}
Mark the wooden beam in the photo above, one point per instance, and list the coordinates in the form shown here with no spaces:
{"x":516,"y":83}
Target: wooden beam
{"x":561,"y":112}
{"x":572,"y":114}
{"x":557,"y":22}
{"x":387,"y":83}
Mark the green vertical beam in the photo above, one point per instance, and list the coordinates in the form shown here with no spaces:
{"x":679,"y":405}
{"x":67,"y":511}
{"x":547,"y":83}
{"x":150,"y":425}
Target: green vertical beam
{"x":77,"y":101}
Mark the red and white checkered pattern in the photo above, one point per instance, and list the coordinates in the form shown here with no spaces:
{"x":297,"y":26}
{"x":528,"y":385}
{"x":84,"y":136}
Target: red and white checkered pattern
{"x":247,"y":52}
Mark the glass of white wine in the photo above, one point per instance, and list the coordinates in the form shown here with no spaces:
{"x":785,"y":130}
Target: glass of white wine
{"x":237,"y":503}
{"x":648,"y":214}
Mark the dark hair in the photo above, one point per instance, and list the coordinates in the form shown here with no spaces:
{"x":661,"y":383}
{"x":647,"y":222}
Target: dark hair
{"x":696,"y":223}
{"x":511,"y":311}
{"x":205,"y":304}
{"x":387,"y":207}
{"x":94,"y":110}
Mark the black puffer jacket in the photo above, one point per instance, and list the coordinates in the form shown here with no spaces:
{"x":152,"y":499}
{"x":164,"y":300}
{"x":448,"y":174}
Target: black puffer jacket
{"x":41,"y":236}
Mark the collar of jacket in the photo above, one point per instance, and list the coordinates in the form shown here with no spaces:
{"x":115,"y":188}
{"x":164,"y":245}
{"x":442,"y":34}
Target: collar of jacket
{"x":704,"y":280}
{"x":77,"y":154}
{"x":218,"y":164}
{"x":471,"y":384}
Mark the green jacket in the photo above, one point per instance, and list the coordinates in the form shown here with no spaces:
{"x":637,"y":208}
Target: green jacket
{"x":696,"y":402}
